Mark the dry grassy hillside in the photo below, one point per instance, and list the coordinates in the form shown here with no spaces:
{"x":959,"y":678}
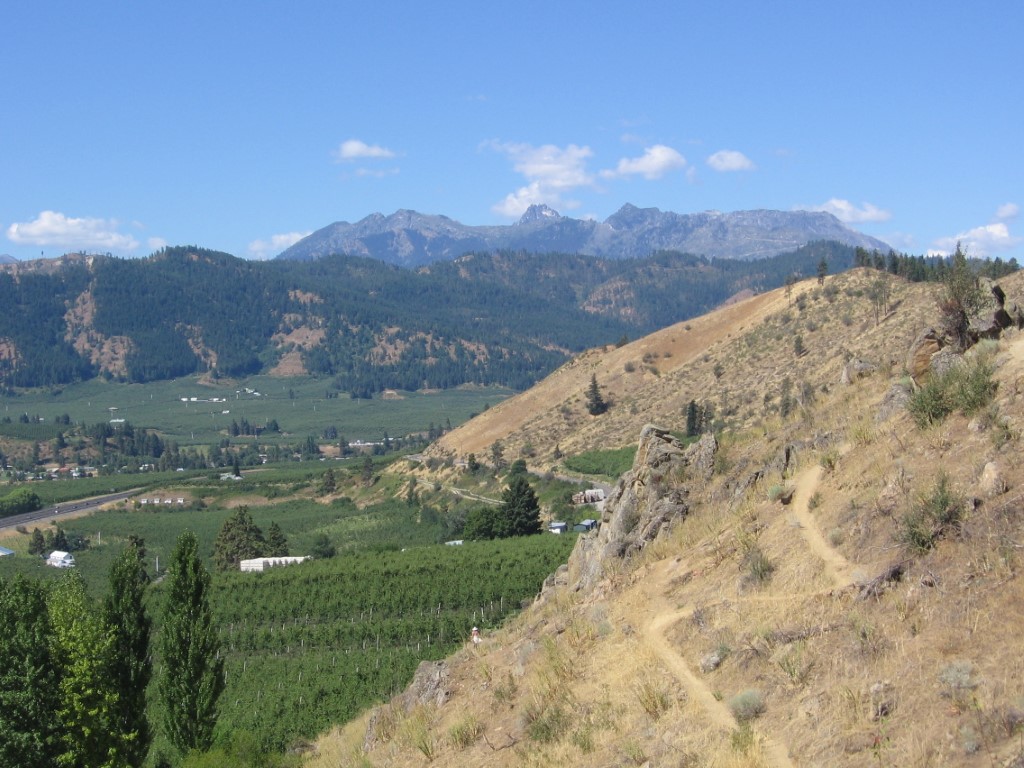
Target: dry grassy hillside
{"x":842,"y":588}
{"x":731,"y":358}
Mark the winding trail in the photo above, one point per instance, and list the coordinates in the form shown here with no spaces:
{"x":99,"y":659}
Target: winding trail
{"x":665,"y":616}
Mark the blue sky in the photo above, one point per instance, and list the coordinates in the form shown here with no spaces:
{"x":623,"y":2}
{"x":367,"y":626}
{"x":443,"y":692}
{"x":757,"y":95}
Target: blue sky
{"x":244,"y":126}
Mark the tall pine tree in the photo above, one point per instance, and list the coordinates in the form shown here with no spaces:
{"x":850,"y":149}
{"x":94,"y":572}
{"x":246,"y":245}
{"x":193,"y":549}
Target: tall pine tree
{"x":192,"y":676}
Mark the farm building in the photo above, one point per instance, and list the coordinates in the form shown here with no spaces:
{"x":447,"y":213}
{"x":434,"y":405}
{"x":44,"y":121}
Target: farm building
{"x":558,"y":527}
{"x":259,"y":564}
{"x":4,"y":551}
{"x":58,"y":559}
{"x":585,"y":525}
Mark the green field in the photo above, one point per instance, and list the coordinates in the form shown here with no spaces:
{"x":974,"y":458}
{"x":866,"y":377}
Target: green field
{"x":311,"y":645}
{"x":299,"y":405}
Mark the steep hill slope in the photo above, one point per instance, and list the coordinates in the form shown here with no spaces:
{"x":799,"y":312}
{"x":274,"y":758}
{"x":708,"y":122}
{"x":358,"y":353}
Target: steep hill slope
{"x":836,"y":586}
{"x":734,"y":360}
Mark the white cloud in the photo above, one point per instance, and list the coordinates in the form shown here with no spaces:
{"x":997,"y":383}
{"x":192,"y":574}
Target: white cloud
{"x":979,"y":242}
{"x":655,"y":162}
{"x":848,"y":213}
{"x":1007,"y":211}
{"x":725,"y":160}
{"x":265,"y":249}
{"x":354,"y":149}
{"x":51,"y":228}
{"x":156,"y":244}
{"x":550,"y":171}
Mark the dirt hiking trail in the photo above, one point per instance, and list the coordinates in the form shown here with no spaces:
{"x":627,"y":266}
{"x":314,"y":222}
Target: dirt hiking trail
{"x":662,"y":615}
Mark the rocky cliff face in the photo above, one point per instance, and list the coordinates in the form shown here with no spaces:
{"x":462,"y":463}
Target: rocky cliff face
{"x":412,"y":239}
{"x":646,"y":502}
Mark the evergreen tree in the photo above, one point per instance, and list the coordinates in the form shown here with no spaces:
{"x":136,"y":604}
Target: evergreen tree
{"x":692,"y":419}
{"x":37,"y":544}
{"x":239,"y":539}
{"x":83,"y":647}
{"x":595,"y":403}
{"x":277,"y":544}
{"x":192,"y":676}
{"x":130,"y":667}
{"x":519,"y":513}
{"x":822,"y":270}
{"x":60,"y":541}
{"x":29,"y":678}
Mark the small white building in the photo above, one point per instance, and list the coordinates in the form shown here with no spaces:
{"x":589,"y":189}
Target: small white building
{"x":260,"y":564}
{"x":558,"y":527}
{"x":58,"y":559}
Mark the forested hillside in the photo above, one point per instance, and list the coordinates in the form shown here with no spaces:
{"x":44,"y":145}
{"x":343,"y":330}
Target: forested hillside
{"x":486,"y":318}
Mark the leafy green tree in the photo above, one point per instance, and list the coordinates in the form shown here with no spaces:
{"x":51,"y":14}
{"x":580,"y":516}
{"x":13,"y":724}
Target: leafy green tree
{"x":239,"y":539}
{"x":277,"y":544}
{"x":596,"y":404}
{"x":519,"y":513}
{"x":29,"y":678}
{"x":822,"y":270}
{"x":130,"y":670}
{"x":472,"y":465}
{"x":192,"y":674}
{"x":328,"y":483}
{"x":480,"y":523}
{"x":83,"y":648}
{"x":322,"y":548}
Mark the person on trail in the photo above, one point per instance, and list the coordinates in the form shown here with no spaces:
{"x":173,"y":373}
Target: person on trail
{"x":475,"y":636}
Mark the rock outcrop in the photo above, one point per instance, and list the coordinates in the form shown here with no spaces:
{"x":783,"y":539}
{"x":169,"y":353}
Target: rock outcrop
{"x":647,"y":500}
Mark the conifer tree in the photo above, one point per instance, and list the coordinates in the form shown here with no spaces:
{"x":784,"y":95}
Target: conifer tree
{"x":239,"y":539}
{"x":596,"y":404}
{"x":130,"y":667}
{"x":277,"y":544}
{"x":192,"y":675}
{"x":519,"y":513}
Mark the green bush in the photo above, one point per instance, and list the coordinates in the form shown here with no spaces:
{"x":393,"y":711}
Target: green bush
{"x":966,"y":388}
{"x":932,"y":516}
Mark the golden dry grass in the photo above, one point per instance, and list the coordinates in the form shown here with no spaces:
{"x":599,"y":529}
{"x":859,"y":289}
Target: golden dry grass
{"x":927,"y":672}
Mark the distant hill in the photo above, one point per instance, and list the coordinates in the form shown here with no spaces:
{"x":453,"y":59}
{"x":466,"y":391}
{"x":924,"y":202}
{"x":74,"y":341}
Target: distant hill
{"x":411,"y":239}
{"x":501,"y":317}
{"x":7,"y":259}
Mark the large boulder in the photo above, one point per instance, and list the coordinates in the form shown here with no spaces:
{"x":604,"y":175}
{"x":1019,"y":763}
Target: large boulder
{"x":919,"y":357}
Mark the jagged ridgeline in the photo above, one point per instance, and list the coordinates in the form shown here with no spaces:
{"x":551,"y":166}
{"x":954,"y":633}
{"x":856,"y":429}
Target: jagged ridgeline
{"x":503,"y":318}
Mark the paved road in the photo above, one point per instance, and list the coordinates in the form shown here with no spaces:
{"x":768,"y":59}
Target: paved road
{"x":64,"y":509}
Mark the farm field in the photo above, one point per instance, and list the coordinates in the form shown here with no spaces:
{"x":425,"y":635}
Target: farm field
{"x":299,"y":405}
{"x":314,"y":644}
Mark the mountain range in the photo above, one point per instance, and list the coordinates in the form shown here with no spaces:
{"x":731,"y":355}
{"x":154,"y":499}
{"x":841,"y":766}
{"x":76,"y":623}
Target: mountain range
{"x":411,"y":239}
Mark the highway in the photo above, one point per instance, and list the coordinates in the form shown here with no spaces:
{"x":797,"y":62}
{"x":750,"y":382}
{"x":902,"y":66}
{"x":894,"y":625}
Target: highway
{"x":64,"y":509}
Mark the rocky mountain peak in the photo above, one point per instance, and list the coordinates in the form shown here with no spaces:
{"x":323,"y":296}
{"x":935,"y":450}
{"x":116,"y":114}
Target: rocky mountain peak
{"x":539,"y":213}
